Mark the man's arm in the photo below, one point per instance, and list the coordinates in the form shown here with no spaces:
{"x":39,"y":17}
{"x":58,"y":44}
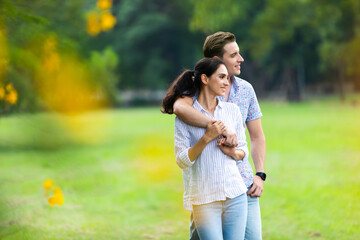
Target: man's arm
{"x":257,"y":140}
{"x":184,"y":110}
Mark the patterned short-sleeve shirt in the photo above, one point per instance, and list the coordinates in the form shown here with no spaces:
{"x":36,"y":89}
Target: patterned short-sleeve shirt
{"x":243,"y":95}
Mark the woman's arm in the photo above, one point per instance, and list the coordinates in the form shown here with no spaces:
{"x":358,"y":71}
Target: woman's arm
{"x":186,"y":155}
{"x":213,"y":130}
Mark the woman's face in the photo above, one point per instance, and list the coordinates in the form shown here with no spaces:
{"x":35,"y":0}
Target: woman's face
{"x":218,"y":81}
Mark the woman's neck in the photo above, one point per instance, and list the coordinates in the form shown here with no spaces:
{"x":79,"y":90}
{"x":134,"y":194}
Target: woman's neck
{"x":207,"y":101}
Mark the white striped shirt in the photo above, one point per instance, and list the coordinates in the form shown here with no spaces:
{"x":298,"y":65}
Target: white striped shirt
{"x":213,"y":176}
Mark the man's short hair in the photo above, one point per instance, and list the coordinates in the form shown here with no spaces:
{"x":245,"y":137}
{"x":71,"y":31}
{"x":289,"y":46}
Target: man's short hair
{"x":214,"y":44}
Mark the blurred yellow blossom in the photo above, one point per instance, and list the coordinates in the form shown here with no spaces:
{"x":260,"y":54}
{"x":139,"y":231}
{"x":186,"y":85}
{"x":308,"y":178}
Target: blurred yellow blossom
{"x":9,"y":94}
{"x":107,"y":21}
{"x":62,"y":81}
{"x":93,"y":24}
{"x":48,"y":184}
{"x":50,"y":44}
{"x":52,"y":201}
{"x":104,"y":4}
{"x":58,"y":197}
{"x":51,"y":59}
{"x":57,"y":190}
{"x":11,"y":97}
{"x":100,"y":19}
{"x":9,"y":87}
{"x":2,"y":93}
{"x":52,"y":62}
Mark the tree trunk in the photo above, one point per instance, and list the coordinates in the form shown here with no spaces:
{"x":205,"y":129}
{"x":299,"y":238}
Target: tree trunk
{"x":293,"y":88}
{"x":340,"y":86}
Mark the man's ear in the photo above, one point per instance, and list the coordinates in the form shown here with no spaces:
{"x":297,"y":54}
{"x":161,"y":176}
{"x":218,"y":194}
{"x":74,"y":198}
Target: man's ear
{"x":204,"y":79}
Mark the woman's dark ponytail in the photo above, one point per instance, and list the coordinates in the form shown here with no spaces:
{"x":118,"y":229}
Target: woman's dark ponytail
{"x":184,"y":85}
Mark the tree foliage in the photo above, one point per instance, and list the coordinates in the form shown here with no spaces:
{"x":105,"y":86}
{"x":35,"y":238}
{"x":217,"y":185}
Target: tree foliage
{"x":140,"y":44}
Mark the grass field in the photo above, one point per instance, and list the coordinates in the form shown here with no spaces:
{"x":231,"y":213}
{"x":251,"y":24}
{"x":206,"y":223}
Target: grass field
{"x":119,"y":178}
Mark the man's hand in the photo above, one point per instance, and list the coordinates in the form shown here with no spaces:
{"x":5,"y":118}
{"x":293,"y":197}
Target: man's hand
{"x":230,"y":139}
{"x":257,"y":187}
{"x":236,"y":154}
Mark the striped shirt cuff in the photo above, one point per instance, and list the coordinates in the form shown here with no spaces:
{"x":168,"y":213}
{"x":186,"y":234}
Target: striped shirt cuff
{"x":183,"y":159}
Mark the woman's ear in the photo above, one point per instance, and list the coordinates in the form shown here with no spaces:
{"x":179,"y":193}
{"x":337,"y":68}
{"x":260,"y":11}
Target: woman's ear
{"x":204,"y":79}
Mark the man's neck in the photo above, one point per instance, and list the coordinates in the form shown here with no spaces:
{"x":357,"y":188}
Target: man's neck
{"x":227,"y":92}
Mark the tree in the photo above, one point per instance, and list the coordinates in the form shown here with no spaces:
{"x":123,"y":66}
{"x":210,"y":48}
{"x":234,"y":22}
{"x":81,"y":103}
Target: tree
{"x":292,"y":40}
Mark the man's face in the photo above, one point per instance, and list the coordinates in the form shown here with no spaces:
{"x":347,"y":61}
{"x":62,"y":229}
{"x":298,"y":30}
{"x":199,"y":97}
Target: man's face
{"x":232,"y":58}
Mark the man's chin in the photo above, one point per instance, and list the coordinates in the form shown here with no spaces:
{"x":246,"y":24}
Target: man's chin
{"x":235,"y":73}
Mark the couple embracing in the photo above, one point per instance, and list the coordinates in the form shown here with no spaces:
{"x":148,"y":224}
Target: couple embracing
{"x":213,"y":109}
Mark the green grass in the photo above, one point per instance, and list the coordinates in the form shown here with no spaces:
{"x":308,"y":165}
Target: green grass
{"x":119,"y":178}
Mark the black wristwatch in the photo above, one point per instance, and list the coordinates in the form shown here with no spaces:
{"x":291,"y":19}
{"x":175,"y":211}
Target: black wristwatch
{"x":262,"y":175}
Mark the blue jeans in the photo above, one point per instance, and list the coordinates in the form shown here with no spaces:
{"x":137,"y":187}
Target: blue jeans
{"x":253,"y":224}
{"x":221,"y":219}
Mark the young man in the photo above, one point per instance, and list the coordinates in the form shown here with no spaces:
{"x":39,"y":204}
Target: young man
{"x":240,"y":92}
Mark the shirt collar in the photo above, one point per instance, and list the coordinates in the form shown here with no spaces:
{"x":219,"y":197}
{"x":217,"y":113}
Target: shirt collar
{"x":197,"y":105}
{"x":235,"y":81}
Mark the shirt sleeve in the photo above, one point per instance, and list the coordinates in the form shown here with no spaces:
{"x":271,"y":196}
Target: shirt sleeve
{"x":240,"y":132}
{"x":182,"y":144}
{"x":254,"y":111}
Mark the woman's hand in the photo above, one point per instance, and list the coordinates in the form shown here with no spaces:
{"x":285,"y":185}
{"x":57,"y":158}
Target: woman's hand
{"x":214,"y":129}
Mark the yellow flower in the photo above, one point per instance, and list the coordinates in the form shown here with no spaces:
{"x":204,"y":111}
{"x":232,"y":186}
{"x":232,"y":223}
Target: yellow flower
{"x":9,"y":87}
{"x":11,"y":97}
{"x":57,"y":190}
{"x":107,"y":21}
{"x":52,"y":62}
{"x":52,"y":201}
{"x":50,"y":44}
{"x":59,"y":199}
{"x":93,"y":25}
{"x":48,"y":184}
{"x":2,"y":93}
{"x":104,"y":4}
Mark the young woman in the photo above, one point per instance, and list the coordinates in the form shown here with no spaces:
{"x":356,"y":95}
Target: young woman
{"x":214,"y":189}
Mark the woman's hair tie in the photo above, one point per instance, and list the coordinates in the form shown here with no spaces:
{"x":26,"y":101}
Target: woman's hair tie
{"x":193,"y":75}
